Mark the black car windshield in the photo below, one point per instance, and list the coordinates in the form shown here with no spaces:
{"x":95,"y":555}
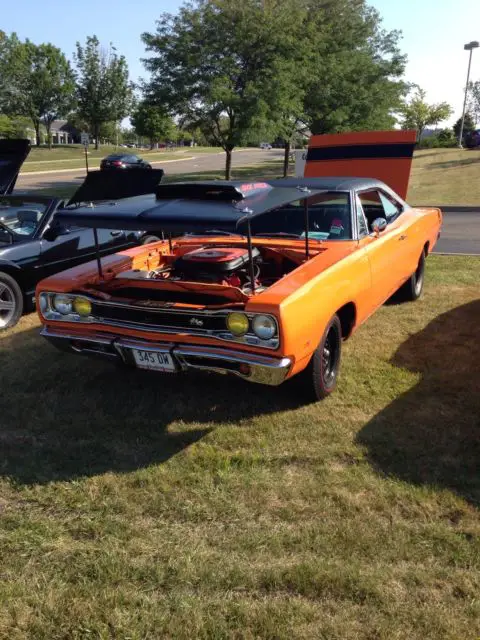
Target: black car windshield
{"x":21,"y":217}
{"x":329,"y":218}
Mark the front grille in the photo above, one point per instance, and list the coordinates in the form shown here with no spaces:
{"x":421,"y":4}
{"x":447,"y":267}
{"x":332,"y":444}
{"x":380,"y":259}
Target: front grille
{"x":160,"y":318}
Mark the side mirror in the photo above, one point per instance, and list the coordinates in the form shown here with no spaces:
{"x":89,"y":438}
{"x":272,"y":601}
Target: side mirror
{"x":379,"y":225}
{"x":52,"y":232}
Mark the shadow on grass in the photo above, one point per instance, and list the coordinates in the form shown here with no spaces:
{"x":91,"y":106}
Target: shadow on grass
{"x":431,"y":434}
{"x":64,"y":416}
{"x":451,"y":164}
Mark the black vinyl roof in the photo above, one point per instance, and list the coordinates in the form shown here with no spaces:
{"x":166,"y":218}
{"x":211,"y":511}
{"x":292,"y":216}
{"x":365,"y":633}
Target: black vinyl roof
{"x":338,"y":184}
{"x":189,"y":206}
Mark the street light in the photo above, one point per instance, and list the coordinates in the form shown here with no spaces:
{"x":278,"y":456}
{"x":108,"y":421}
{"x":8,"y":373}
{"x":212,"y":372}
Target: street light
{"x":468,"y":47}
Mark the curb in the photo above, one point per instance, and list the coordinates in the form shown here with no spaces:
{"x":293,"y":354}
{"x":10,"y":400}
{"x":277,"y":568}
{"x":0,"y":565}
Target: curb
{"x":452,"y":253}
{"x":451,"y":208}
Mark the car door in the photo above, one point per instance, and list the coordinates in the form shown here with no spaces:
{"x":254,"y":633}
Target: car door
{"x":75,"y":245}
{"x":385,"y":251}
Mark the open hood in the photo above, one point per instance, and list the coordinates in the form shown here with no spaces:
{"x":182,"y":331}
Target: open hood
{"x":12,"y":155}
{"x":383,"y":155}
{"x":186,"y":207}
{"x":115,"y":185}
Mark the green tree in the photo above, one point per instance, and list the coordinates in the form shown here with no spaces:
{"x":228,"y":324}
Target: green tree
{"x":152,"y":122}
{"x":474,"y":100}
{"x":468,"y":126}
{"x":10,"y":63}
{"x":104,"y":93}
{"x":221,"y":66}
{"x":357,"y":68}
{"x":418,"y":114}
{"x":40,"y":84}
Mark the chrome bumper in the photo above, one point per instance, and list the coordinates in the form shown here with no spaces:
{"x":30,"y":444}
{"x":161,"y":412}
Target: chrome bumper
{"x":249,"y":366}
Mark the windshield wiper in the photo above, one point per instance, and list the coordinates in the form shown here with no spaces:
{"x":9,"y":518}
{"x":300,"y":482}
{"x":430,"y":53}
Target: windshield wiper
{"x":213,"y":232}
{"x":278,"y":233}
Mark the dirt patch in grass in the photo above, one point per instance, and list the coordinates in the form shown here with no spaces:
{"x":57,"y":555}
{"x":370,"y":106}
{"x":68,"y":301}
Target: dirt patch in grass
{"x":145,"y":506}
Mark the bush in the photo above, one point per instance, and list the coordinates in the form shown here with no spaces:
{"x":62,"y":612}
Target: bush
{"x":443,"y":139}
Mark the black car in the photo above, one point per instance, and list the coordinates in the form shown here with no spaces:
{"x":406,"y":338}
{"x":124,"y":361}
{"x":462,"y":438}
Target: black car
{"x":124,"y":161}
{"x":33,"y":245}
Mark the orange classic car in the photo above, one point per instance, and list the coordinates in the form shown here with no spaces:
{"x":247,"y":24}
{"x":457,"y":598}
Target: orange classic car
{"x":259,"y":280}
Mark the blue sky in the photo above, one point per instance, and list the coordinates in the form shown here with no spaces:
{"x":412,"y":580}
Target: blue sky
{"x":434,"y":32}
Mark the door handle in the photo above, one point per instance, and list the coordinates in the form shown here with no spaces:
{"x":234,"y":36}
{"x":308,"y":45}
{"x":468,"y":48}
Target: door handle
{"x":402,"y":237}
{"x":114,"y":234}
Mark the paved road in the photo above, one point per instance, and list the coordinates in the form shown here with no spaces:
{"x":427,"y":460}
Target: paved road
{"x":202,"y":162}
{"x":460,"y":232}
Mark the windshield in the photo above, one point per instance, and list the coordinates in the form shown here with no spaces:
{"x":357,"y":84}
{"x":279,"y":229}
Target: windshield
{"x":329,"y":218}
{"x":21,"y":217}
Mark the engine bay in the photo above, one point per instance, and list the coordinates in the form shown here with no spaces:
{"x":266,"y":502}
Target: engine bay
{"x":222,"y":264}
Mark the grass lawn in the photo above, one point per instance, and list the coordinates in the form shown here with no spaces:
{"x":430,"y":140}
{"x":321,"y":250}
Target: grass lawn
{"x":445,"y":176}
{"x":135,"y":505}
{"x":73,"y":156}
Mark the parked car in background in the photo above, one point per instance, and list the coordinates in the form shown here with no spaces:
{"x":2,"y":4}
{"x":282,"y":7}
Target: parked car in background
{"x":33,"y":244}
{"x":265,"y":282}
{"x":472,"y":141}
{"x":124,"y":161}
{"x":265,"y":145}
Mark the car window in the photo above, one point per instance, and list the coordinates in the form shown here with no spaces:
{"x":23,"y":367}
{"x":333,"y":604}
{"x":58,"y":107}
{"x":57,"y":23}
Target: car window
{"x":372,"y":206}
{"x":21,"y":217}
{"x":391,"y":208}
{"x":376,"y":204}
{"x":328,"y":216}
{"x":361,"y":220}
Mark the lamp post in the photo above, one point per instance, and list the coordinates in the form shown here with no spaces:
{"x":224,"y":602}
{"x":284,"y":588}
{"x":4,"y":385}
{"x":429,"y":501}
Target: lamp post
{"x":468,"y":47}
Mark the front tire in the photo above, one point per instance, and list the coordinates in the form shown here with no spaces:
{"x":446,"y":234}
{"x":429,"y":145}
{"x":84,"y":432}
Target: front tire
{"x":320,"y":376}
{"x":11,"y":302}
{"x":149,"y":239}
{"x":413,"y":287}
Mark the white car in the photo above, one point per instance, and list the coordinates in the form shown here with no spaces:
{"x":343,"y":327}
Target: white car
{"x":265,"y":145}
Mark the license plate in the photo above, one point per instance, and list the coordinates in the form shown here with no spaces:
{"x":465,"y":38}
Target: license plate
{"x":153,"y":360}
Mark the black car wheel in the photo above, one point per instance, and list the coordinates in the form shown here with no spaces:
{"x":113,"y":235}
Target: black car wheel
{"x":413,"y":287}
{"x":11,"y":302}
{"x":149,"y":239}
{"x":320,"y":376}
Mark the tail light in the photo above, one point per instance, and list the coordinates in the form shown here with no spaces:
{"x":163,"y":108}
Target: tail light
{"x":117,"y":163}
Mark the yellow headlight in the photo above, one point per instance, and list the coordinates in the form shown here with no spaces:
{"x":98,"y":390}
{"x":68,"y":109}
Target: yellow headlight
{"x":82,"y":306}
{"x":237,"y":323}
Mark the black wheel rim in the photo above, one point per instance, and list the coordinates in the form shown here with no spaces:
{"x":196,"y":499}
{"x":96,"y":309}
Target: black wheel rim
{"x":329,"y":357}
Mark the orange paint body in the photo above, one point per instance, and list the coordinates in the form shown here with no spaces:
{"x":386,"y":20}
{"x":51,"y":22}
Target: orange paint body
{"x":362,"y":273}
{"x":365,"y":273}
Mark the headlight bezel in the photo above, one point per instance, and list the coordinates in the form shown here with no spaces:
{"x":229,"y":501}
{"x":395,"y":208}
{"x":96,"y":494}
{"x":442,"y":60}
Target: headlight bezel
{"x":263,"y":317}
{"x":51,"y":311}
{"x":241,"y":317}
{"x":60,"y":299}
{"x":252,"y":336}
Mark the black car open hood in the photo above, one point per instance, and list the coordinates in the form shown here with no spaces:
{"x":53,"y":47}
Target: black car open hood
{"x":115,"y":185}
{"x":12,"y":155}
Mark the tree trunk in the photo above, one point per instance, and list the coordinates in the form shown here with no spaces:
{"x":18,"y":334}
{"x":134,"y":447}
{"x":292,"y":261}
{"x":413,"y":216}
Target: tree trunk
{"x":96,"y":133}
{"x":48,"y":126}
{"x":36,"y":125}
{"x":228,"y":162}
{"x":286,"y":158}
